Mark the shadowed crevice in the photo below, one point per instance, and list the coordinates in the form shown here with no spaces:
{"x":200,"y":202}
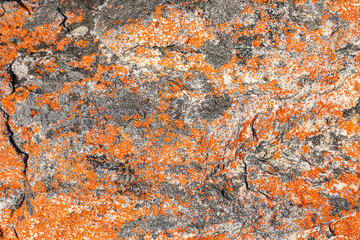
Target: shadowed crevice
{"x":14,"y":79}
{"x":65,"y":18}
{"x":16,"y":234}
{"x":21,"y":153}
{"x":247,"y":184}
{"x":10,"y":135}
{"x":24,"y":155}
{"x":332,"y":231}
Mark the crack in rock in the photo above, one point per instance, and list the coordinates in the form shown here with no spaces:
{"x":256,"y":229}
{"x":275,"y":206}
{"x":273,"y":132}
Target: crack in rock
{"x":16,"y":234}
{"x":247,"y":185}
{"x":18,"y":150}
{"x":14,"y":79}
{"x":65,"y":18}
{"x":21,"y":4}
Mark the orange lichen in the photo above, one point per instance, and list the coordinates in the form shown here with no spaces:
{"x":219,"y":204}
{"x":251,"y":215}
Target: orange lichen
{"x":276,"y":146}
{"x":74,"y":17}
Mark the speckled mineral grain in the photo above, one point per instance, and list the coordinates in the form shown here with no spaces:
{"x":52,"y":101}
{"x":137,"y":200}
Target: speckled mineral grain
{"x":186,"y":119}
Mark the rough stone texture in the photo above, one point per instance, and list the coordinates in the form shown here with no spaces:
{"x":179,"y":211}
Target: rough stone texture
{"x":203,"y":119}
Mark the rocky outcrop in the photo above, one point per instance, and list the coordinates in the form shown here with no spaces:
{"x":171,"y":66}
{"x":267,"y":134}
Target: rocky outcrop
{"x":179,"y":119}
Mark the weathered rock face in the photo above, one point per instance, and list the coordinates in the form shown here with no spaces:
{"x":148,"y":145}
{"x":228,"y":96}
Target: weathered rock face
{"x":227,"y":119}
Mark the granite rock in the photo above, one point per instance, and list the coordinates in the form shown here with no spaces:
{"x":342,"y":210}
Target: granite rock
{"x":181,"y":119}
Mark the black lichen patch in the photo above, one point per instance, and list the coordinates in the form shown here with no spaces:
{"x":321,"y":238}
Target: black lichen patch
{"x":217,"y":54}
{"x":101,"y":162}
{"x":339,"y":205}
{"x":244,"y":49}
{"x":351,"y":112}
{"x":315,"y":140}
{"x":214,"y":107}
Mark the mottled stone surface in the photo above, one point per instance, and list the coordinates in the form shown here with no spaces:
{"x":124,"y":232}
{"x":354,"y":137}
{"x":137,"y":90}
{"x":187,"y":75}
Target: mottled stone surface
{"x":203,"y":119}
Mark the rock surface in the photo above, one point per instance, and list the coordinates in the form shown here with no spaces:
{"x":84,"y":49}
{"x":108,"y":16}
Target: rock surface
{"x":203,"y":119}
